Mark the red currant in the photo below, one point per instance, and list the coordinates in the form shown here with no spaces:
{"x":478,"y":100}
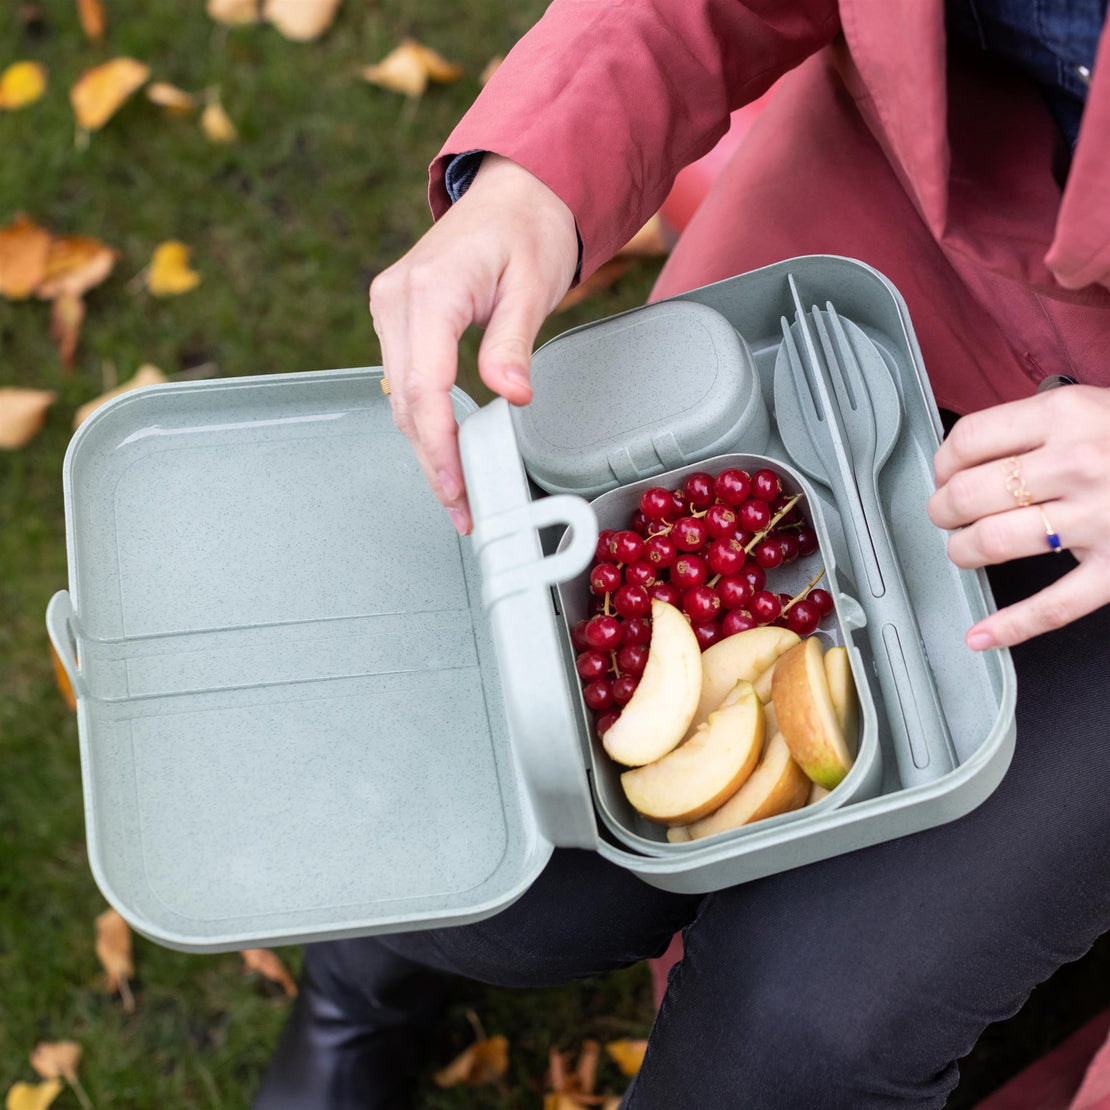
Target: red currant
{"x":666,"y":592}
{"x":754,"y":515}
{"x":632,"y":601}
{"x":660,"y":551}
{"x":733,"y":486}
{"x":755,"y":575}
{"x":592,"y":664}
{"x":638,"y":523}
{"x":807,"y":540}
{"x":604,"y":553}
{"x":743,"y":537}
{"x":689,"y":533}
{"x":725,"y":557}
{"x":738,"y":620}
{"x":720,"y":521}
{"x":578,"y":637}
{"x":698,"y":489}
{"x":768,"y":553}
{"x":632,"y":658}
{"x":822,"y":599}
{"x":765,"y":607}
{"x":639,"y":574}
{"x":636,"y":632}
{"x":599,"y":694}
{"x":626,"y":547}
{"x":779,"y":504}
{"x":606,"y":721}
{"x":624,"y":687}
{"x":605,"y":578}
{"x":603,"y":633}
{"x":708,"y":633}
{"x":656,"y":502}
{"x":734,"y":590}
{"x":803,"y":617}
{"x":701,"y":604}
{"x":689,"y":571}
{"x":679,"y":505}
{"x":765,"y":485}
{"x":789,"y":544}
{"x":781,"y":619}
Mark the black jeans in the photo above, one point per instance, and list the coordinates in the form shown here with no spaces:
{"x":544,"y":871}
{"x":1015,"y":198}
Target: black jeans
{"x":853,"y":983}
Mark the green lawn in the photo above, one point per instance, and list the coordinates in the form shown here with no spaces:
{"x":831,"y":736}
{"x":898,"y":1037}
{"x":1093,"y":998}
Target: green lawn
{"x":326,"y":187}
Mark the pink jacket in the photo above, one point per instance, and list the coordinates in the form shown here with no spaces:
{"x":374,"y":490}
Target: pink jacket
{"x":933,"y":166}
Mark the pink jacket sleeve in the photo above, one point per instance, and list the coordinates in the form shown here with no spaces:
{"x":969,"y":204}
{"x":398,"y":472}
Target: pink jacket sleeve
{"x":606,"y":100}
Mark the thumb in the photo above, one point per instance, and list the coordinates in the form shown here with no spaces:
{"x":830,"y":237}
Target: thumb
{"x":505,"y":354}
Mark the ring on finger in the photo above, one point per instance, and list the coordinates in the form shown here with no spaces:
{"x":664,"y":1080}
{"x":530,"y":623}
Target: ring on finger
{"x":1015,"y":483}
{"x":1050,"y":534}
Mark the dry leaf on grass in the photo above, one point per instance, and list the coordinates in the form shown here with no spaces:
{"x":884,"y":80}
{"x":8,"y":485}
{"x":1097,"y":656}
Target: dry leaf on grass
{"x":24,"y":249}
{"x":22,"y":415}
{"x":269,"y":965}
{"x":234,"y":12}
{"x":492,"y":66}
{"x":61,"y":680}
{"x":59,"y":1060}
{"x":601,"y":278}
{"x":113,"y":950}
{"x":33,"y":1096}
{"x":74,"y":265}
{"x":91,"y":14}
{"x":22,"y":83}
{"x":649,"y":242}
{"x":301,"y":20}
{"x":485,"y":1061}
{"x":66,"y":316}
{"x":216,"y":123}
{"x":410,"y":67}
{"x":147,"y":374}
{"x":627,"y":1055}
{"x":169,"y":273}
{"x":100,"y":91}
{"x":177,"y":102}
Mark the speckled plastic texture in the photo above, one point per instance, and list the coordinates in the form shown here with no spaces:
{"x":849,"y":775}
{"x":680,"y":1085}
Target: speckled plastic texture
{"x":636,"y":395}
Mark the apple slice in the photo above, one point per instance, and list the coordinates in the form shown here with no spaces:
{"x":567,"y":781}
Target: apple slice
{"x":658,"y":714}
{"x":744,"y":655}
{"x":702,"y":774}
{"x":777,"y":785}
{"x":842,"y":690}
{"x":806,"y":716}
{"x":816,"y":793}
{"x":679,"y":834}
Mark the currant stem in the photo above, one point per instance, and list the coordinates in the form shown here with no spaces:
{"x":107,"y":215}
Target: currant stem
{"x":713,"y":581}
{"x":613,"y":664}
{"x":606,"y":611}
{"x":812,"y":582}
{"x":772,"y":522}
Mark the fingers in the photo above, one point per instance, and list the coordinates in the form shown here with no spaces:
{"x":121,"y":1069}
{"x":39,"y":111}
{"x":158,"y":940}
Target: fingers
{"x":1018,"y":533}
{"x":1078,"y":593}
{"x":994,"y":433}
{"x":504,"y":356}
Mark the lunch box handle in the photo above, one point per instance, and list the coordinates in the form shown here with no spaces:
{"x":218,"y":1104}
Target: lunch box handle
{"x":60,"y":619}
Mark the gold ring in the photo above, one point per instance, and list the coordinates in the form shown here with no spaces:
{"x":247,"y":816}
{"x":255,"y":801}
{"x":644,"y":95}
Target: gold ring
{"x":1050,"y":535}
{"x":1015,"y":483}
{"x":386,"y":388}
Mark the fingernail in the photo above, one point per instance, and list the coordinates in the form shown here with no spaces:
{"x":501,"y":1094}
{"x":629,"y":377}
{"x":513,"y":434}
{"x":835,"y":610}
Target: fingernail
{"x":980,"y":640}
{"x":460,"y":520}
{"x":450,"y":485}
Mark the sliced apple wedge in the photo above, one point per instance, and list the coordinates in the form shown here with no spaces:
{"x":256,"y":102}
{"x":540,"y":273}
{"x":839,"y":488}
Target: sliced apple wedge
{"x":842,"y":690}
{"x":702,"y":774}
{"x":777,"y":785}
{"x":816,"y":793}
{"x":679,"y":834}
{"x":806,"y":716}
{"x":744,"y":655}
{"x":657,"y":716}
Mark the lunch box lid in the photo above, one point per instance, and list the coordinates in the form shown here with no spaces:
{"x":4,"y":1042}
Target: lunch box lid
{"x":293,"y":721}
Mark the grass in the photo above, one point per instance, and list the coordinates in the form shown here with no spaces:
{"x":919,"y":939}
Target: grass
{"x":287,"y":227}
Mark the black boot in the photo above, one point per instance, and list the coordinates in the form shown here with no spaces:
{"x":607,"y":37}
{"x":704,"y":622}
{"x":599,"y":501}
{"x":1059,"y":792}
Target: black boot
{"x":353,"y":1038}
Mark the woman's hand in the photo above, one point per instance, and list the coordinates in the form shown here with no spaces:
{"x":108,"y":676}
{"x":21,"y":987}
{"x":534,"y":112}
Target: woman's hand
{"x":1061,"y":441}
{"x":501,"y":257}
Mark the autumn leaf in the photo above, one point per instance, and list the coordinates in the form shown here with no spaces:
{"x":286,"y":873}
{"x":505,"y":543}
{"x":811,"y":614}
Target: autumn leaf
{"x":234,"y":12}
{"x":485,"y":1061}
{"x":492,"y":66}
{"x":649,"y":242}
{"x":269,"y":965}
{"x":410,"y":67}
{"x":601,"y":278}
{"x":100,"y":91}
{"x":216,"y":123}
{"x":59,"y":1060}
{"x":61,"y":680}
{"x":301,"y":20}
{"x":91,"y":14}
{"x":627,"y":1055}
{"x":176,"y":101}
{"x":22,"y":415}
{"x":22,"y":83}
{"x":24,"y":247}
{"x":66,"y":316}
{"x":33,"y":1096}
{"x":169,"y":272}
{"x":147,"y":374}
{"x":113,"y":949}
{"x":75,"y":264}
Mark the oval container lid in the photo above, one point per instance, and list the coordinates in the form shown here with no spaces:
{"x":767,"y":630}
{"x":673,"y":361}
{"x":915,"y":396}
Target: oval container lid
{"x":290,"y":709}
{"x":637,"y":394}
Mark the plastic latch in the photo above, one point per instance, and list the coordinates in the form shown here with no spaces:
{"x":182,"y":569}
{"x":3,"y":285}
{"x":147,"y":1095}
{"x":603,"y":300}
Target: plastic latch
{"x":564,"y":509}
{"x":60,"y":618}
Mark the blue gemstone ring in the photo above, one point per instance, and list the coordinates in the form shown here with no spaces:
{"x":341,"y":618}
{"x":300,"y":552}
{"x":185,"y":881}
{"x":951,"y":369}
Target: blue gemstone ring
{"x":1050,"y":535}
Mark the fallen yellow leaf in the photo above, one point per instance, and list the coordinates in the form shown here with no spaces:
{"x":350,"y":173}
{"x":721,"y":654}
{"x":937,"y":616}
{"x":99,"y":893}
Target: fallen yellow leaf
{"x":492,"y":66}
{"x":61,"y":679}
{"x":22,"y":83}
{"x":101,"y":91}
{"x":269,"y":965}
{"x":57,"y":1059}
{"x":113,"y":949}
{"x":649,"y":242}
{"x":601,"y":278}
{"x":67,"y":314}
{"x":216,"y":124}
{"x":169,"y":272}
{"x":233,"y":12}
{"x":559,"y":1101}
{"x":33,"y":1096}
{"x":91,"y":14}
{"x":628,"y":1055}
{"x":147,"y":374}
{"x":22,"y":415}
{"x":301,"y":20}
{"x":410,"y":67}
{"x":75,"y":264}
{"x":24,"y":247}
{"x":176,"y":101}
{"x":484,"y":1061}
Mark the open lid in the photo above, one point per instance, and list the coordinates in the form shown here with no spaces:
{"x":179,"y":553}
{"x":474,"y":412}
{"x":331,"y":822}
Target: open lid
{"x":291,"y":719}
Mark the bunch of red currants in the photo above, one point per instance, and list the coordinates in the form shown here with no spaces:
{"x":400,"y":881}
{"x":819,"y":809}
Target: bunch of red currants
{"x":706,"y":549}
